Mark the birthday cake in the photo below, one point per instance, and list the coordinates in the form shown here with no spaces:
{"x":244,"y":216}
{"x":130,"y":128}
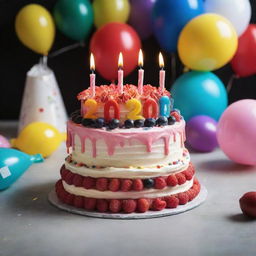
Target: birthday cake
{"x":126,"y":152}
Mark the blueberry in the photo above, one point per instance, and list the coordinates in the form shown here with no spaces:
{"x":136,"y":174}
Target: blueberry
{"x":148,"y":183}
{"x":150,"y":122}
{"x":138,"y":123}
{"x":77,"y":119}
{"x":171,"y":120}
{"x":88,"y":122}
{"x":75,"y":113}
{"x":162,"y":121}
{"x":113,"y":124}
{"x":128,"y":123}
{"x":99,"y":122}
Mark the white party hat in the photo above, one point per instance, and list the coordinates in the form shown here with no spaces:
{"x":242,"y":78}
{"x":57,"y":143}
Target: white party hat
{"x":42,"y":100}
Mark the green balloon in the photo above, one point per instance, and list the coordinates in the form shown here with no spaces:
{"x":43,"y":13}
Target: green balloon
{"x":74,"y":18}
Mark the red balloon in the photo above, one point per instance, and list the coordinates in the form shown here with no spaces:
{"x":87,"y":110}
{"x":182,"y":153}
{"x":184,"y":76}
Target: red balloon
{"x":244,"y":61}
{"x":106,"y":44}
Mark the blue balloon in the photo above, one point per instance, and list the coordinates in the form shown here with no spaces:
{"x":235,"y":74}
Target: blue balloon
{"x":199,"y":93}
{"x":170,"y":16}
{"x":13,"y":163}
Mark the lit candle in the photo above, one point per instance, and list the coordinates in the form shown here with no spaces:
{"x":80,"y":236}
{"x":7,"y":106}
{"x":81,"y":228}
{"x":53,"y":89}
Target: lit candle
{"x":140,"y":73}
{"x":161,"y":73}
{"x":92,"y":76}
{"x":120,"y":73}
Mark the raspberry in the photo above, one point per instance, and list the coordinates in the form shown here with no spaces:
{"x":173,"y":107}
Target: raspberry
{"x":62,"y":195}
{"x":126,"y":185}
{"x":69,"y":178}
{"x":58,"y":185}
{"x":79,"y":201}
{"x":183,"y":198}
{"x":102,"y":205}
{"x":114,"y":185}
{"x":63,"y":172}
{"x":115,"y":205}
{"x":89,"y":203}
{"x":160,"y":183}
{"x":69,"y":199}
{"x":102,"y":184}
{"x":176,"y":115}
{"x":89,"y":182}
{"x":171,"y":201}
{"x":142,"y":205}
{"x":188,"y":174}
{"x":191,"y":194}
{"x":129,"y":205}
{"x":137,"y":185}
{"x":158,"y":204}
{"x":172,"y":180}
{"x":78,"y":180}
{"x":181,"y":178}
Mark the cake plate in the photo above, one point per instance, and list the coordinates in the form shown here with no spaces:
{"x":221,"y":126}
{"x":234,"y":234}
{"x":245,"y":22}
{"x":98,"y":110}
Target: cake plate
{"x":52,"y":197}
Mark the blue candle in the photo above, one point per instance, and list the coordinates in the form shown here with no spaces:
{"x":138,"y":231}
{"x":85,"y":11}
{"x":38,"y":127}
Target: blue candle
{"x":165,"y":106}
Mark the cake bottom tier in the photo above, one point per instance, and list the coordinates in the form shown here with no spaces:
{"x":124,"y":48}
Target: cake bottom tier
{"x":127,"y":205}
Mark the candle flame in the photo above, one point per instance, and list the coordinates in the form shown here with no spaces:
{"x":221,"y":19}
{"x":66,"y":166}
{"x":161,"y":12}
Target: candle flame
{"x":140,"y":60}
{"x":161,"y":60}
{"x":92,"y":62}
{"x":120,"y":60}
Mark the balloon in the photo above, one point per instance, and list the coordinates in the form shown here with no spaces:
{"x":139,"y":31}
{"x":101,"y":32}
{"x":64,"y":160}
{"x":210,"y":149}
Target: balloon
{"x":201,"y":133}
{"x":236,"y":132}
{"x":107,"y":11}
{"x":207,"y":42}
{"x":142,"y":23}
{"x":244,"y":61}
{"x":38,"y":137}
{"x":170,"y":16}
{"x":74,"y":18}
{"x":13,"y":163}
{"x":35,"y":28}
{"x":106,"y":44}
{"x":237,"y":11}
{"x":199,"y":93}
{"x":4,"y":143}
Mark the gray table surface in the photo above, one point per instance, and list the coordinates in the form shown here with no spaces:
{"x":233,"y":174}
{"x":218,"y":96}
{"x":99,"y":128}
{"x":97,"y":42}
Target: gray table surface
{"x":29,"y":225}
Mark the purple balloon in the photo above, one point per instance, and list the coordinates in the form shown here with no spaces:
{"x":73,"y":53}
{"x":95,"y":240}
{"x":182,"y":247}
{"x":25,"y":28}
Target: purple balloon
{"x":140,"y":17}
{"x":201,"y":133}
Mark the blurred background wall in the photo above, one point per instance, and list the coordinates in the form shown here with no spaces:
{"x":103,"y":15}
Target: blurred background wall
{"x":72,"y":68}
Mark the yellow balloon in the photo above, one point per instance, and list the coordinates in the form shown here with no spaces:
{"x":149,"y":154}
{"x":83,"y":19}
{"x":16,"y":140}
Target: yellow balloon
{"x":106,"y":11}
{"x":35,"y":28}
{"x":207,"y":42}
{"x":39,"y":137}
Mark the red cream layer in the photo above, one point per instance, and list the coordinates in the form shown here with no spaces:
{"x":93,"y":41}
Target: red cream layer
{"x":114,"y":184}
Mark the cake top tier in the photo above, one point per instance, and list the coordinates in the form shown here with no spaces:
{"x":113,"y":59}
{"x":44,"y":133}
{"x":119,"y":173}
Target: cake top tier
{"x":104,"y":93}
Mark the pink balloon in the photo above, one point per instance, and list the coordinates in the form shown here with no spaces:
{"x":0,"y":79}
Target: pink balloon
{"x":236,"y":132}
{"x":4,"y":143}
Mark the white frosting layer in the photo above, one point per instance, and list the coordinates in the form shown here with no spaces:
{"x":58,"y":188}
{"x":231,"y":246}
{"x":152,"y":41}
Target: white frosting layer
{"x":133,"y":152}
{"x":148,"y":193}
{"x":129,"y":173}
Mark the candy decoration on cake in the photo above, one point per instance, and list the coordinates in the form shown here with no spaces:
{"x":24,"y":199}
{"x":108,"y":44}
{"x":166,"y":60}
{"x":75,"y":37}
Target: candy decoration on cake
{"x":248,"y":204}
{"x":13,"y":163}
{"x":126,"y":150}
{"x":42,"y":100}
{"x":39,"y":137}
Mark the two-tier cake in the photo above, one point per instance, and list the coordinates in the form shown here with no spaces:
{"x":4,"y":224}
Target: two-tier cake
{"x":126,"y":153}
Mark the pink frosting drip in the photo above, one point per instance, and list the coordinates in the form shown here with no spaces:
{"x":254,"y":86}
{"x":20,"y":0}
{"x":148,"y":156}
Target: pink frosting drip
{"x":114,"y":139}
